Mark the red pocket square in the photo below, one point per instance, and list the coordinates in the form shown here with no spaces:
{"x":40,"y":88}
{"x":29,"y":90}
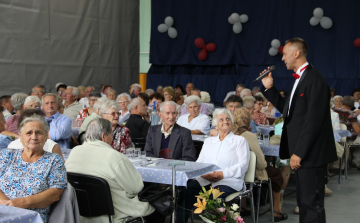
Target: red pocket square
{"x":302,"y":95}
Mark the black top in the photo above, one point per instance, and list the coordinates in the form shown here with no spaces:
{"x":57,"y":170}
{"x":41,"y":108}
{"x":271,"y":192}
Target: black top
{"x":138,"y":127}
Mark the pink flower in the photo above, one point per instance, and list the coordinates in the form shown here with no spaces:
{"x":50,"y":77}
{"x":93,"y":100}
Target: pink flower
{"x":222,"y":210}
{"x":223,"y":218}
{"x":239,"y":220}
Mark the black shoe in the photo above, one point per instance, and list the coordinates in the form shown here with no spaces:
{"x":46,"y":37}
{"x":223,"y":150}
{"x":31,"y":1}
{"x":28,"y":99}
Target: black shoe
{"x":245,"y":212}
{"x":283,"y":216}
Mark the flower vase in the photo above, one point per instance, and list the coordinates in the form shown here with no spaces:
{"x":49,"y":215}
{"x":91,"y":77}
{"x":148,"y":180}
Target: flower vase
{"x":205,"y":219}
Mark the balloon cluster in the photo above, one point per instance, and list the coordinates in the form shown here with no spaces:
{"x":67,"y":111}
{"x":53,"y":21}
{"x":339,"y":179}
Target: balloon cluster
{"x":200,"y":43}
{"x":325,"y":22}
{"x":357,"y":42}
{"x":169,"y":21}
{"x":236,"y":20}
{"x":275,"y":47}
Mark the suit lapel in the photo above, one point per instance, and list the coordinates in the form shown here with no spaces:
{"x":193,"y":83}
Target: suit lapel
{"x":174,"y":138}
{"x":158,"y":138}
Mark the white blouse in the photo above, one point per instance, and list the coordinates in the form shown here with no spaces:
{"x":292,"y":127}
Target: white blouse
{"x":232,"y":155}
{"x":201,"y":122}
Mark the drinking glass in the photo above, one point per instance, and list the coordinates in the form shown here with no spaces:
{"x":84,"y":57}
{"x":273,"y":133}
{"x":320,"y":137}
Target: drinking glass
{"x":130,"y":153}
{"x":143,"y":155}
{"x":266,"y":140}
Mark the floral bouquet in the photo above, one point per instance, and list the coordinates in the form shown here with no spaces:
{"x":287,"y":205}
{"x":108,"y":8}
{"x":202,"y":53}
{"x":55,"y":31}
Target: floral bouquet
{"x":215,"y":209}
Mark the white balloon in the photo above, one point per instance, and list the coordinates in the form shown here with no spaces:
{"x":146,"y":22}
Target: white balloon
{"x":275,"y":43}
{"x":273,"y":51}
{"x":244,"y":18}
{"x":237,"y":27}
{"x":318,"y":13}
{"x":169,"y":21}
{"x":235,"y":17}
{"x":162,"y":28}
{"x":230,"y":20}
{"x":326,"y":22}
{"x":314,"y":21}
{"x":172,"y":32}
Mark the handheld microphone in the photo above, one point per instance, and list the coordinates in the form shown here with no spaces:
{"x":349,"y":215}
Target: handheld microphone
{"x":272,"y":68}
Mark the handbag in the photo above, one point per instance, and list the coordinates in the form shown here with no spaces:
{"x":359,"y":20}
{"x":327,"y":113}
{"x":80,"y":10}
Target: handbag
{"x":160,"y":198}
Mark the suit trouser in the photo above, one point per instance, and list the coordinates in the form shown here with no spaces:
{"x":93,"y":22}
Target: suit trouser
{"x":310,"y":189}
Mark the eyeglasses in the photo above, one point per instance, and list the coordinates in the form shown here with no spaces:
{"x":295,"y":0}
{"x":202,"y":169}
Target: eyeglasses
{"x":259,"y":103}
{"x":123,"y":101}
{"x":113,"y":114}
{"x":37,"y":92}
{"x":93,"y":99}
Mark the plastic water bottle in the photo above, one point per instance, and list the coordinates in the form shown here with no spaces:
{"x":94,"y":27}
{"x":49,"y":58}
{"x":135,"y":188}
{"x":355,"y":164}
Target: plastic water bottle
{"x":277,"y":114}
{"x":154,"y":117}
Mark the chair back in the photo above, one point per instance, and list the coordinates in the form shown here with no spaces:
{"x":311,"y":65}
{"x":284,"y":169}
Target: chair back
{"x":343,"y":127}
{"x":139,"y":143}
{"x":93,"y":195}
{"x":165,"y":153}
{"x":250,"y":174}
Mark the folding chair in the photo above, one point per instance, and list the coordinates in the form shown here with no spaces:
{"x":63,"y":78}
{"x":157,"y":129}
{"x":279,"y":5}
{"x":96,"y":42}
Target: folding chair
{"x":249,"y":179}
{"x":259,"y":184}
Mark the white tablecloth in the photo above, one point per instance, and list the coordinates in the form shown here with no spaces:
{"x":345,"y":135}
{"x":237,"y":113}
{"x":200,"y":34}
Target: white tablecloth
{"x":338,"y":133}
{"x":18,"y":215}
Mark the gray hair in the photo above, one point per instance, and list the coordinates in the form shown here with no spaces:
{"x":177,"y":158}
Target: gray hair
{"x":149,"y":91}
{"x":95,"y":94}
{"x":122,"y":95}
{"x":338,"y":96}
{"x":32,"y":98}
{"x":255,"y":88}
{"x":348,"y":101}
{"x":17,"y":100}
{"x":219,"y":111}
{"x":35,"y":118}
{"x":75,"y":90}
{"x":108,"y":105}
{"x":110,"y":90}
{"x":260,"y":95}
{"x":134,"y":102}
{"x":248,"y":102}
{"x":49,"y":94}
{"x":191,"y":99}
{"x":40,"y":86}
{"x":167,"y":103}
{"x":96,"y":128}
{"x":100,"y":101}
{"x":135,"y":85}
{"x":244,"y":92}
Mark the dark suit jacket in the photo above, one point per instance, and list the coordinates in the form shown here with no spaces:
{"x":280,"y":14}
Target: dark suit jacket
{"x":138,"y":127}
{"x":307,"y":130}
{"x":180,"y":143}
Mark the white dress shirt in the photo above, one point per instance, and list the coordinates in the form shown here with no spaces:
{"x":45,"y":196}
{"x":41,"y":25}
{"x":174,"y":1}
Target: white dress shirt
{"x":232,"y":155}
{"x":200,"y":122}
{"x":297,"y":82}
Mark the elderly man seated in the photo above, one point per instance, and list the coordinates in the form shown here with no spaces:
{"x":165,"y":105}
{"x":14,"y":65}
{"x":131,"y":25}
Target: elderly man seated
{"x":4,"y":139}
{"x":38,"y":90}
{"x":170,"y":135}
{"x":135,"y":90}
{"x":199,"y":124}
{"x":60,"y":125}
{"x":237,"y":92}
{"x":96,"y":157}
{"x":136,"y":124}
{"x":189,"y":88}
{"x":203,"y":108}
{"x":72,"y":106}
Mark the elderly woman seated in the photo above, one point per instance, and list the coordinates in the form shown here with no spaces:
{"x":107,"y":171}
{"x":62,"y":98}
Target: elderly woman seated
{"x":96,"y":157}
{"x":31,"y":177}
{"x":111,"y":94}
{"x":17,"y":101}
{"x":4,"y":139}
{"x":123,"y":99}
{"x":227,"y":151}
{"x":338,"y":100}
{"x":199,"y":124}
{"x":242,"y":128}
{"x":258,"y":117}
{"x":86,"y":112}
{"x":121,"y":135}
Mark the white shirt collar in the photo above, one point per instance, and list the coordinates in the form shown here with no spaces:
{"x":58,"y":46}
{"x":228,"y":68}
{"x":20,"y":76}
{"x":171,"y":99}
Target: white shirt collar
{"x":166,"y":134}
{"x":228,"y":138}
{"x":301,"y":67}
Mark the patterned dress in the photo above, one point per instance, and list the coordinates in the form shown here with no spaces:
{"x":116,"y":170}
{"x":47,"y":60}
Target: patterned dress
{"x":348,"y":117}
{"x":260,"y":119}
{"x":22,"y":179}
{"x":121,"y":138}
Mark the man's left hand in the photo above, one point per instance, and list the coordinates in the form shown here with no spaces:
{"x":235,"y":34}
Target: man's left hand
{"x":295,"y":162}
{"x":214,"y":176}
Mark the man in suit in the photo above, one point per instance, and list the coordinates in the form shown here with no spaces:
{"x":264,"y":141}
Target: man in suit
{"x":170,"y":135}
{"x":307,"y":136}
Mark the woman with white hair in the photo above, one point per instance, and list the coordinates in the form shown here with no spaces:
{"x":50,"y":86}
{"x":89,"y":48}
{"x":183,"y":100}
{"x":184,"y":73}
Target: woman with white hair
{"x":111,"y":94}
{"x":229,"y":152}
{"x":121,"y":135}
{"x":338,"y":101}
{"x":32,"y":102}
{"x":123,"y":99}
{"x":17,"y":101}
{"x":199,"y":124}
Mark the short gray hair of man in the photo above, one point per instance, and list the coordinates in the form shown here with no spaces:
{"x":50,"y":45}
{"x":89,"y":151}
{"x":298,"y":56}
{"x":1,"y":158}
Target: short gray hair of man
{"x":75,"y":90}
{"x":40,"y":86}
{"x":32,"y":98}
{"x":255,"y":88}
{"x":260,"y":95}
{"x":100,"y":101}
{"x":49,"y":94}
{"x":348,"y":101}
{"x":17,"y":100}
{"x":35,"y":118}
{"x":169,"y":103}
{"x":135,"y":85}
{"x":244,"y":92}
{"x":248,"y":102}
{"x":96,"y":128}
{"x":122,"y":95}
{"x":149,"y":91}
{"x":134,"y":102}
{"x":219,"y":111}
{"x":108,"y":105}
{"x":191,"y":99}
{"x":110,"y":90}
{"x":95,"y":94}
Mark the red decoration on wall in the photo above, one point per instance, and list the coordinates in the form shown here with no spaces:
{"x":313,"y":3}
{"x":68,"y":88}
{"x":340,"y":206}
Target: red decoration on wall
{"x":280,"y":49}
{"x":357,"y":42}
{"x":200,"y":43}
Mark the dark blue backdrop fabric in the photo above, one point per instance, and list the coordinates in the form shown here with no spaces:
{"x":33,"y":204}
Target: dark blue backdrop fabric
{"x":239,"y":58}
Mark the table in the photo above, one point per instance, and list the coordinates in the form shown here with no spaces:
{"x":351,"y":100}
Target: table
{"x":162,"y":172}
{"x":11,"y":215}
{"x":339,"y":133}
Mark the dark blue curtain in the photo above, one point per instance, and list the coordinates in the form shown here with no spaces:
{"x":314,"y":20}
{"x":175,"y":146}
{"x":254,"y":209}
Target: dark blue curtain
{"x":239,"y":58}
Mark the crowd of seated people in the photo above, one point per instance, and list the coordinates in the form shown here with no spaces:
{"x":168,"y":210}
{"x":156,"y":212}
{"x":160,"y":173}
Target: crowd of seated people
{"x":126,"y":116}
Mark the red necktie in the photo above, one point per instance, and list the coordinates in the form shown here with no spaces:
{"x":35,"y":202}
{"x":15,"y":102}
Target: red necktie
{"x":297,"y":76}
